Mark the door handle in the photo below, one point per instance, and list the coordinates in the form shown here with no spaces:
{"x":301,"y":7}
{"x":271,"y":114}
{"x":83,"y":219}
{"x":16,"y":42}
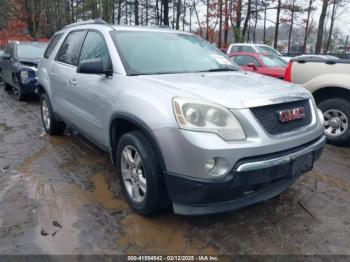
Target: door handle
{"x":73,"y":82}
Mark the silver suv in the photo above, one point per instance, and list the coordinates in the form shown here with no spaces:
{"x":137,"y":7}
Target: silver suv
{"x":182,"y":124}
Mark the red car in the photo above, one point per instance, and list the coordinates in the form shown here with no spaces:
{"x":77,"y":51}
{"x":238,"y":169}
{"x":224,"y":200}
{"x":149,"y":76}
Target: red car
{"x":262,"y":63}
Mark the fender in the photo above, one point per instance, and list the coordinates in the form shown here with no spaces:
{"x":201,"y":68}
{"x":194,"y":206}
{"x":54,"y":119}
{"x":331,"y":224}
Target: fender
{"x":140,"y":124}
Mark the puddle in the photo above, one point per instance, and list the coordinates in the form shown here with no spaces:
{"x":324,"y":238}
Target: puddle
{"x":27,"y":163}
{"x":332,"y":181}
{"x":58,"y":203}
{"x":104,"y":196}
{"x":5,"y":127}
{"x":165,"y":234}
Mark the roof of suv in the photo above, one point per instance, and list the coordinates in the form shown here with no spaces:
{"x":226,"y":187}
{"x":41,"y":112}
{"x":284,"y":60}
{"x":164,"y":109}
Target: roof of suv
{"x":100,"y":23}
{"x":249,"y":44}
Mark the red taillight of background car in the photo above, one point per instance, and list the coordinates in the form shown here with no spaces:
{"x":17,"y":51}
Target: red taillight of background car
{"x":288,"y":73}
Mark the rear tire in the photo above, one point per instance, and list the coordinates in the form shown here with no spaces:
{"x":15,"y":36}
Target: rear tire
{"x":336,"y":112}
{"x":51,"y":125}
{"x":2,"y":83}
{"x":141,"y":176}
{"x":7,"y":87}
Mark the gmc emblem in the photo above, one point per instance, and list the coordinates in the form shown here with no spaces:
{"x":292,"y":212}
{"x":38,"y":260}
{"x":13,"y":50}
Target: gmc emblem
{"x":290,"y":115}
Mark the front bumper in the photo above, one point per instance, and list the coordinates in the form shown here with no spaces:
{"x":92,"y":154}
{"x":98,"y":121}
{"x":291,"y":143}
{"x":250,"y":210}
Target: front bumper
{"x":29,"y":88}
{"x":252,"y":180}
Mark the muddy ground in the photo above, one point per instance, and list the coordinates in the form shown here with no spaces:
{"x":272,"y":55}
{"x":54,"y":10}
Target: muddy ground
{"x":60,"y":195}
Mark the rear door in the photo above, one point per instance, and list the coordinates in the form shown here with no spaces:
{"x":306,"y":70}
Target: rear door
{"x":62,"y":72}
{"x":91,"y":92}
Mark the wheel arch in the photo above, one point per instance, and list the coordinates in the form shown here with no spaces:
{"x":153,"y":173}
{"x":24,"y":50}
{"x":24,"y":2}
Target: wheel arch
{"x":41,"y":89}
{"x":325,"y":93}
{"x":122,"y":123}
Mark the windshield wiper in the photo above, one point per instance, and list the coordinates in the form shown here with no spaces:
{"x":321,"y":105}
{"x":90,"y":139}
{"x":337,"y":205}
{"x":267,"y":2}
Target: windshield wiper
{"x":154,"y":73}
{"x":219,"y":70}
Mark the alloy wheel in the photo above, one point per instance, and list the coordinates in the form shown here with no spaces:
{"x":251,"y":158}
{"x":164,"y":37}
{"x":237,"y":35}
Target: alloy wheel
{"x":17,"y":90}
{"x":133,"y":174}
{"x":45,"y":114}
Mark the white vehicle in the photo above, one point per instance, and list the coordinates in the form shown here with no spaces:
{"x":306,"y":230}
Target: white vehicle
{"x":329,"y":82}
{"x":317,"y":57}
{"x":254,"y":48}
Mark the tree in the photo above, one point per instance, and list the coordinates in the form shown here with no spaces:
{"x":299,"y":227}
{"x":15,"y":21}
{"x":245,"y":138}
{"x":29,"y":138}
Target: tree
{"x":178,"y":14}
{"x":165,"y":12}
{"x":275,"y":41}
{"x":247,"y":18}
{"x":237,"y":27}
{"x":136,"y":11}
{"x":293,"y":8}
{"x":320,"y":30}
{"x":334,"y":15}
{"x":307,"y":24}
{"x":220,"y":23}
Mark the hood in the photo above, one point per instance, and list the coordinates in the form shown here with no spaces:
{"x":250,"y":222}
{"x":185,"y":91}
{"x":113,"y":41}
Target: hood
{"x":30,"y":61}
{"x":276,"y":71}
{"x":230,"y":89}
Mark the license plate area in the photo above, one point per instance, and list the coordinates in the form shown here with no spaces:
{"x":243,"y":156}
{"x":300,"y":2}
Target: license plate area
{"x":302,"y":164}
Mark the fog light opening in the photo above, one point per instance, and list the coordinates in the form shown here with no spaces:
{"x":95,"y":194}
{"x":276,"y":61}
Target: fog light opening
{"x":210,"y":165}
{"x":217,"y":167}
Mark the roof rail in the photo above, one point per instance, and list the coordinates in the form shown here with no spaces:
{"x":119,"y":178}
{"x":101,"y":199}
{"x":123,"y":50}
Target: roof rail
{"x":87,"y":22}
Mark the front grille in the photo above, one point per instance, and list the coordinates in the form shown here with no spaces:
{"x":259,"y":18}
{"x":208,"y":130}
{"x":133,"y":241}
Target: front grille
{"x":268,"y":116}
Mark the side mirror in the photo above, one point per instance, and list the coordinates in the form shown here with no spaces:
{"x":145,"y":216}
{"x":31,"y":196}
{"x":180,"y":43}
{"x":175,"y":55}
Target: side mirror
{"x":252,"y":66}
{"x":93,"y":66}
{"x":5,"y":57}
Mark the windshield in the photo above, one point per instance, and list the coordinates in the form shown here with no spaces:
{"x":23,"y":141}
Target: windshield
{"x":267,"y":49}
{"x":273,"y":61}
{"x":145,"y":53}
{"x":31,"y":50}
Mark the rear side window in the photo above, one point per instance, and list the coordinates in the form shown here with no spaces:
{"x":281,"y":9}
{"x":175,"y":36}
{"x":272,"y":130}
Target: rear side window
{"x":52,"y":45}
{"x":95,"y":47}
{"x":70,"y":49}
{"x":234,"y":49}
{"x":10,"y":49}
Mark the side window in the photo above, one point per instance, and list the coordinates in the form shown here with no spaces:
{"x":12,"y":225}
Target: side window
{"x":9,"y":49}
{"x":244,"y":60}
{"x":95,"y":47}
{"x":70,"y":49}
{"x":247,"y":49}
{"x":52,"y":45}
{"x":234,"y":49}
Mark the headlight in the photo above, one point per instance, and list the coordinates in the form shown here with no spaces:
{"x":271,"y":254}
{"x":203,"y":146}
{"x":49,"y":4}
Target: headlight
{"x":207,"y":117}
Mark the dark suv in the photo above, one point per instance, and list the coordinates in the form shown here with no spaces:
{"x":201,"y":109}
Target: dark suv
{"x":18,"y":67}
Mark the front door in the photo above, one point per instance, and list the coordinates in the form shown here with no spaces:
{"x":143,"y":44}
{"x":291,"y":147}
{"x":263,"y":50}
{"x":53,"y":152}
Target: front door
{"x":91,"y":92}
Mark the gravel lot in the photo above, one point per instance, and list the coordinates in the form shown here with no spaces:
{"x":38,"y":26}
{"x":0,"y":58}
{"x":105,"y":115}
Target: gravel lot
{"x":60,"y":195}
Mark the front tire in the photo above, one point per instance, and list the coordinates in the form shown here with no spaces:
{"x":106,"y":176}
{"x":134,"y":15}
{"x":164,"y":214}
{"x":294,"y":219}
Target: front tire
{"x":17,"y":90}
{"x":51,"y":125}
{"x":140,"y":174}
{"x":336,"y":112}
